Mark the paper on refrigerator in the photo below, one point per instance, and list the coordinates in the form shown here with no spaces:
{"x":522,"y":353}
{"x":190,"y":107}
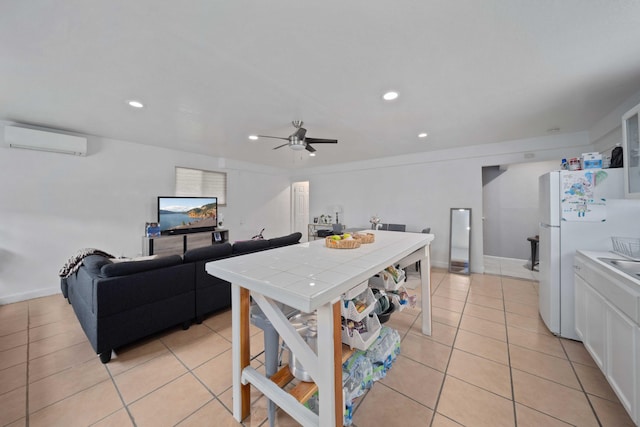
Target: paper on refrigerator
{"x":579,"y":196}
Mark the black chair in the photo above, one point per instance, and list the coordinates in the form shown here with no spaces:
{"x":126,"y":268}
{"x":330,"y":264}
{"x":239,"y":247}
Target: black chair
{"x":426,"y":231}
{"x":396,"y":227}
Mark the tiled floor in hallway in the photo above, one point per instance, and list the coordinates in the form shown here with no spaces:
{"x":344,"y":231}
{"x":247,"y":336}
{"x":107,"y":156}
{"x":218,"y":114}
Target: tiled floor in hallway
{"x":489,"y":362}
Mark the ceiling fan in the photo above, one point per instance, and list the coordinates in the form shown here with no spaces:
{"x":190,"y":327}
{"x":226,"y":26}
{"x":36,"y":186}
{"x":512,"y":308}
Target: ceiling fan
{"x":298,"y":141}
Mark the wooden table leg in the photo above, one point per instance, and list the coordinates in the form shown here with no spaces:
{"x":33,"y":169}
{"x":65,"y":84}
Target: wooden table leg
{"x":245,"y":350}
{"x":240,"y":351}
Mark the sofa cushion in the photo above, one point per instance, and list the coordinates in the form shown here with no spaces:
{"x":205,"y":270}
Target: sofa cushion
{"x":133,"y":267}
{"x":248,"y":246}
{"x":74,"y":263}
{"x":93,"y":263}
{"x":208,"y":252}
{"x":291,"y":239}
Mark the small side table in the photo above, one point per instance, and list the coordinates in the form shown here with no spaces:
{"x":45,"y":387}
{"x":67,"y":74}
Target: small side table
{"x":534,"y":249}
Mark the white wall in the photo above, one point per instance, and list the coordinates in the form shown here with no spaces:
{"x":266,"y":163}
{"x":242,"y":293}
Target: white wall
{"x":418,"y":190}
{"x":52,"y":205}
{"x":511,"y":208}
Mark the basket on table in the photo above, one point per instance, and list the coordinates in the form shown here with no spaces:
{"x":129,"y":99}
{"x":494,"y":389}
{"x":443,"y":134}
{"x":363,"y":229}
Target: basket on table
{"x":365,"y":237}
{"x":341,"y":244}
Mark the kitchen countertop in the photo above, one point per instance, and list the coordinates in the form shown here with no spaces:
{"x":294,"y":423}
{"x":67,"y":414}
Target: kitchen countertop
{"x":633,"y":282}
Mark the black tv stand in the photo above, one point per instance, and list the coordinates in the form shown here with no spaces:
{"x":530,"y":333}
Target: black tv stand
{"x":181,"y":231}
{"x":178,"y":244}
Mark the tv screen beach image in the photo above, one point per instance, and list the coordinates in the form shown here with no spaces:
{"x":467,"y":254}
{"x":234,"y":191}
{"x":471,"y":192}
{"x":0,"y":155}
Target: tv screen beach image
{"x":177,"y":213}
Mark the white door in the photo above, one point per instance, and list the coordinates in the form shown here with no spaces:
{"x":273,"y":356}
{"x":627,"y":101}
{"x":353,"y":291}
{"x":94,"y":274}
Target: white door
{"x":300,"y":203}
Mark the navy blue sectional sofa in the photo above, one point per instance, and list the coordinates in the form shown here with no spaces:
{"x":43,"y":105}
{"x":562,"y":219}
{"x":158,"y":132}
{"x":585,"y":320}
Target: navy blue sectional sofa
{"x":118,"y":303}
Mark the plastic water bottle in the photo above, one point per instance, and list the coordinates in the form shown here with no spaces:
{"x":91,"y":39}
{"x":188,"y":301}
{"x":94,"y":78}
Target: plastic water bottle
{"x":564,"y":165}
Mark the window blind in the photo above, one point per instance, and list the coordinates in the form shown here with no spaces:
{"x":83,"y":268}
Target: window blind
{"x":201,"y":183}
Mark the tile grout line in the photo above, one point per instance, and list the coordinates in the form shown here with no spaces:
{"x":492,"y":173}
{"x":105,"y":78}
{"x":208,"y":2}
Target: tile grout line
{"x":446,"y":369}
{"x":506,"y":331}
{"x":439,"y":285}
{"x":115,"y":385}
{"x":586,"y":395}
{"x":366,"y":393}
{"x":511,"y":373}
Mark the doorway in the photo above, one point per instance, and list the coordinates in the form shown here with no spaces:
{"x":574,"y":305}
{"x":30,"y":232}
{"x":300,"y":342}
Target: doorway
{"x":510,"y":216}
{"x":300,"y":208}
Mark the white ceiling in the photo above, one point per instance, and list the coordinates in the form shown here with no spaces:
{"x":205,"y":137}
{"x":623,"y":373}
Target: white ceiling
{"x":212,"y":72}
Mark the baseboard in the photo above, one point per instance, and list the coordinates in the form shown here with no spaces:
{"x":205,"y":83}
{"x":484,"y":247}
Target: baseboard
{"x":498,"y":258}
{"x":439,"y":264}
{"x":9,"y":299}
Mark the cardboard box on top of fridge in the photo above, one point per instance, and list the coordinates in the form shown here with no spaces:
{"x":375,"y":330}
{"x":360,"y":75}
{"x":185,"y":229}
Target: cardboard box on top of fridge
{"x":591,"y":161}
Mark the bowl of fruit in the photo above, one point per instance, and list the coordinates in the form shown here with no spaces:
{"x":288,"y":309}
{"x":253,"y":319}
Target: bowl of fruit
{"x":341,"y":241}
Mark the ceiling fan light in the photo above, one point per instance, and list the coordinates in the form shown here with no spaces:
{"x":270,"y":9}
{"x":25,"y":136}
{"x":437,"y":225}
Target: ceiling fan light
{"x":297,"y":147}
{"x":135,"y":104}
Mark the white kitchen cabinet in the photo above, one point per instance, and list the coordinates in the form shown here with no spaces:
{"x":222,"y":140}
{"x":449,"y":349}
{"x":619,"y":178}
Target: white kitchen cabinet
{"x":594,"y":309}
{"x":606,"y":316}
{"x":580,"y":306}
{"x":637,"y":384}
{"x":621,"y":355}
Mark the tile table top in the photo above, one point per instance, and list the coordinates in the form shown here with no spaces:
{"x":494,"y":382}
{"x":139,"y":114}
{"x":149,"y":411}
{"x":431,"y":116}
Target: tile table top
{"x":308,"y":275}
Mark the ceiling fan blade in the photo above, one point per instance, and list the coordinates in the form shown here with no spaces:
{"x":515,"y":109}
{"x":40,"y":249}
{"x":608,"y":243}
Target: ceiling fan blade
{"x":320,"y":141}
{"x":300,"y":133}
{"x":280,"y":146}
{"x":309,"y":148}
{"x":274,"y":137}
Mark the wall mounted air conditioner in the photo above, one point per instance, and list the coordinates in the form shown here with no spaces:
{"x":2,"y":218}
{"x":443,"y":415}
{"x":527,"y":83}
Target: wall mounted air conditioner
{"x":32,"y":139}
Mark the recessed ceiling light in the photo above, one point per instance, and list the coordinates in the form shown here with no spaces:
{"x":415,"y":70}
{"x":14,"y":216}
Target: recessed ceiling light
{"x":553,"y":130}
{"x":390,"y":96}
{"x":135,"y":104}
{"x":422,"y":135}
{"x":312,"y":154}
{"x":253,"y":137}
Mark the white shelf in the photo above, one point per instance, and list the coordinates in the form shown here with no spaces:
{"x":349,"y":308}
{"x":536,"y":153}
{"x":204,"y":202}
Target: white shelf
{"x":362,"y":341}
{"x":348,"y":308}
{"x":400,"y":303}
{"x":384,"y":280}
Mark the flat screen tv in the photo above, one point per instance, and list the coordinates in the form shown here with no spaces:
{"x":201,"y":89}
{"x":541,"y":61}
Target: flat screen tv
{"x":181,"y":215}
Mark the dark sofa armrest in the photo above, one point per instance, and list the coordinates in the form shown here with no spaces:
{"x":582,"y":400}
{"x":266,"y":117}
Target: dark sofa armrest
{"x":248,"y":246}
{"x":133,"y":267}
{"x":291,"y":239}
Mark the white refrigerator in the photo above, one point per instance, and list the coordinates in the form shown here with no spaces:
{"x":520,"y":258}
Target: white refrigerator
{"x":577,"y":210}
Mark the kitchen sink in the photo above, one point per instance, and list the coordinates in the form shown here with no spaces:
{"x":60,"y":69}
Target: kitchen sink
{"x":632,"y":268}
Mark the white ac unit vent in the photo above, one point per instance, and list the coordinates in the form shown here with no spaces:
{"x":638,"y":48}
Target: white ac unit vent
{"x":32,"y":139}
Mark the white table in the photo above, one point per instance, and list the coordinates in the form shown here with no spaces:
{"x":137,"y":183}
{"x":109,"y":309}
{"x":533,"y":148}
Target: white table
{"x":309,"y":276}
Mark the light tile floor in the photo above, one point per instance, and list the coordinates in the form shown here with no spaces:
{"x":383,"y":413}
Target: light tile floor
{"x":489,"y":362}
{"x":511,"y":267}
